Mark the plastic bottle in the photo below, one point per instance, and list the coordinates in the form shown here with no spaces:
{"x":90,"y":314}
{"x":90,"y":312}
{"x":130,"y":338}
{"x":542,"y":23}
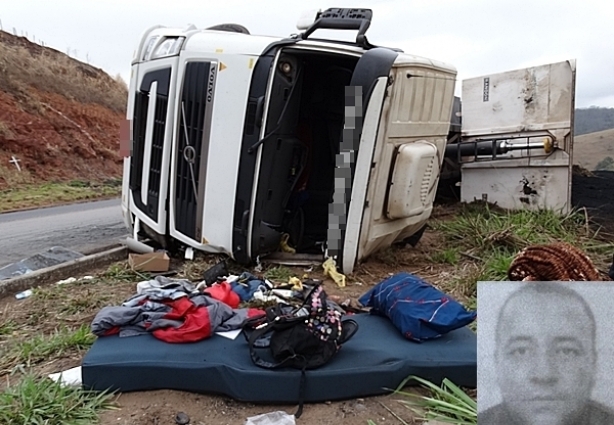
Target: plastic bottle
{"x":24,"y":294}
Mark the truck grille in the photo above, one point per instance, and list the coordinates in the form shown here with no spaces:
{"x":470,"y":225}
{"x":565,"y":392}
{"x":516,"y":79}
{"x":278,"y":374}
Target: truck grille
{"x":191,"y":153}
{"x":157,"y":146}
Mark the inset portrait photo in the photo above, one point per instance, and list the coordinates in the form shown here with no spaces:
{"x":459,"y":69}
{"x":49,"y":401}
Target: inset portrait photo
{"x":545,"y":353}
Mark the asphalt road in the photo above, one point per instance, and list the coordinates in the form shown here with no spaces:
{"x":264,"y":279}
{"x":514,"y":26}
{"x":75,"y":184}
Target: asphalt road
{"x":79,"y":227}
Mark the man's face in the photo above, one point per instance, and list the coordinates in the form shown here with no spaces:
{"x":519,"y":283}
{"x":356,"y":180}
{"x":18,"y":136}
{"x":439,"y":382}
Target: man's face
{"x":545,"y":358}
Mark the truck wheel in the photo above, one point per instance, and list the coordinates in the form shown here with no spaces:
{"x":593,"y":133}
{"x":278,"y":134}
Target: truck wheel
{"x":415,"y":238}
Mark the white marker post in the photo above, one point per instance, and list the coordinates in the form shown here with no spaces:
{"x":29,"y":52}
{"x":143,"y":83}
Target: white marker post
{"x":16,"y":162}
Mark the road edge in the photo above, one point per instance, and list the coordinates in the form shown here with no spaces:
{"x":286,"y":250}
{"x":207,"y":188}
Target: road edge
{"x":62,"y":204}
{"x":61,"y":271}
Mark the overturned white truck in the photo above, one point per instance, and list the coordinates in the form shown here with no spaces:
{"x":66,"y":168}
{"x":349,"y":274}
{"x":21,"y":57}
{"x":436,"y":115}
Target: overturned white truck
{"x":244,"y":144}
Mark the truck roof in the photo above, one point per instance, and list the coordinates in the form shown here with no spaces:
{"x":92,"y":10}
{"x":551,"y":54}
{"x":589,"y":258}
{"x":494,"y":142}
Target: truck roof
{"x":235,"y":43}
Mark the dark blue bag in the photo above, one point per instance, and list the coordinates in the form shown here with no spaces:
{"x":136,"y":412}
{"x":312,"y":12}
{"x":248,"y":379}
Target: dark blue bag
{"x":418,"y":309}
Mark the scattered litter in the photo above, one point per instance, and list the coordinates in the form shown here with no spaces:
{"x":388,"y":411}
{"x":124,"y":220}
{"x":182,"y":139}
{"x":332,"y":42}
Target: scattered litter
{"x":230,"y":334}
{"x":296,"y":283}
{"x":25,"y":294}
{"x":309,"y":270}
{"x":258,"y":268}
{"x":70,"y":377}
{"x":182,"y":419}
{"x":189,"y":253}
{"x":273,"y":418}
{"x":157,"y":261}
{"x":65,"y":281}
{"x":136,"y":246}
{"x":72,"y":279}
{"x":283,"y":293}
{"x":232,"y":278}
{"x":359,"y":407}
{"x":259,"y":296}
{"x":283,"y":244}
{"x":330,"y":269}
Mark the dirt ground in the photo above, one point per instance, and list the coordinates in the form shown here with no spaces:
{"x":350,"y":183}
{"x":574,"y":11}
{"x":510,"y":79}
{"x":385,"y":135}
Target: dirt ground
{"x":595,"y":192}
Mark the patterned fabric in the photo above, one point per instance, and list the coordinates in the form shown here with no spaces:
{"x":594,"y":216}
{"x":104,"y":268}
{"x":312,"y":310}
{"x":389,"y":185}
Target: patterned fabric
{"x":324,"y":322}
{"x":416,"y":308}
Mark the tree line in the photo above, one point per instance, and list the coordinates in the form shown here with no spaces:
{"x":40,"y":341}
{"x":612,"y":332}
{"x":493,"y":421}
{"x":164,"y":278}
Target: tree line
{"x":590,"y":120}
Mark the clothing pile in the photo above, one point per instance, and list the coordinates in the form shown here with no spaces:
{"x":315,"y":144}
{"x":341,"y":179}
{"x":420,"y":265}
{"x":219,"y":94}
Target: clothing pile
{"x":172,"y":310}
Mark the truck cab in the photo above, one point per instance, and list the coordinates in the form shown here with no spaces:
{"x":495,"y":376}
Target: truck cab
{"x":295,"y":148}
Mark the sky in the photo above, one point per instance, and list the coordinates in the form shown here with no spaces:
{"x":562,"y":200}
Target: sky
{"x":478,"y":37}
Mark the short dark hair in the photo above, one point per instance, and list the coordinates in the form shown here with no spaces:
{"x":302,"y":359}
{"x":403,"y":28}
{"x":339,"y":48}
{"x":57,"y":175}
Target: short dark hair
{"x":549,"y":288}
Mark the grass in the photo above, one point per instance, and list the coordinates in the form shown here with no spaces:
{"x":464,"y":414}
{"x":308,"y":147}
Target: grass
{"x":39,"y":348}
{"x":492,"y":237}
{"x":36,"y":400}
{"x":7,"y":327}
{"x":447,"y":403}
{"x":481,"y":241}
{"x":121,"y":272}
{"x":279,"y":274}
{"x":36,"y":195}
{"x":446,"y":256}
{"x":482,"y":228}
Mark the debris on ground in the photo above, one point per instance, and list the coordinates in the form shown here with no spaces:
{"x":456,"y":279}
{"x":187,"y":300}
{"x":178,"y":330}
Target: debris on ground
{"x":70,"y":377}
{"x":330,"y":269}
{"x":272,"y":418}
{"x":182,"y":419}
{"x":48,"y":258}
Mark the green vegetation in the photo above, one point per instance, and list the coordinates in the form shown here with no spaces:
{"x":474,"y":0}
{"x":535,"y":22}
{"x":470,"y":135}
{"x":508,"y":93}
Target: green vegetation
{"x":40,"y":348}
{"x":593,"y":119}
{"x":43,"y":401}
{"x":36,"y":195}
{"x":606,"y":164}
{"x":447,"y":404}
{"x":493,"y":237}
{"x":279,"y":274}
{"x":446,"y":256}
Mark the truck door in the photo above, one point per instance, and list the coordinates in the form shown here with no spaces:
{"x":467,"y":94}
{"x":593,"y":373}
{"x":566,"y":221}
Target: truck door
{"x":364,"y":99}
{"x":527,"y":116}
{"x":403,"y":137}
{"x":151,"y":137}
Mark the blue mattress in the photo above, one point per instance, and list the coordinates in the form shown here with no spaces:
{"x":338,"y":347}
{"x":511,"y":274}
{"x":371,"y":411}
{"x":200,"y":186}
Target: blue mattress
{"x":376,"y":358}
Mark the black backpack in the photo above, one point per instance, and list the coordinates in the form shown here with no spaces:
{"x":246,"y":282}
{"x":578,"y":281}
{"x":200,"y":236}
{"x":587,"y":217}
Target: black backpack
{"x":303,"y":338}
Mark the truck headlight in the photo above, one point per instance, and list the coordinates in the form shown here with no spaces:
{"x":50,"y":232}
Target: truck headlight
{"x":170,"y":46}
{"x":148,"y":48}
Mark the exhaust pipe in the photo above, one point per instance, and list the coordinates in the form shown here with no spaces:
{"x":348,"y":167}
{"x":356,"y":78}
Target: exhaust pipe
{"x":494,"y":147}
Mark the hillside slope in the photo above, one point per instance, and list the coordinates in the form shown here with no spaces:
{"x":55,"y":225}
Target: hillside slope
{"x":59,"y":117}
{"x":590,"y":149}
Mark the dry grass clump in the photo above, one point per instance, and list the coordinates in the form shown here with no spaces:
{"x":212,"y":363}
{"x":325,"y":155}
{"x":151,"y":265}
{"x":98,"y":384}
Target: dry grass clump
{"x":24,"y":65}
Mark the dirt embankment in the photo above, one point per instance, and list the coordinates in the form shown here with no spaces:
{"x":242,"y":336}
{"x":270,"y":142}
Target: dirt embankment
{"x":59,"y":117}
